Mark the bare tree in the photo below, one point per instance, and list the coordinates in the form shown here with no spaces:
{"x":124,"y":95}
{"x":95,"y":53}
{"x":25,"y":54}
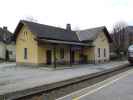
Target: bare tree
{"x":120,"y":38}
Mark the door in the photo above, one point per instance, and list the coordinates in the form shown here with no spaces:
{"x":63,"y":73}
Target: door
{"x":72,"y":57}
{"x":49,"y":56}
{"x":7,"y":55}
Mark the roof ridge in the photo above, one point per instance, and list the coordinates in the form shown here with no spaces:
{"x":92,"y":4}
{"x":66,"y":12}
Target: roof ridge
{"x":46,"y":25}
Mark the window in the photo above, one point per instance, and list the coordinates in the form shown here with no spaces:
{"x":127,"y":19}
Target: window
{"x":25,"y":35}
{"x":62,"y":53}
{"x":98,"y":52}
{"x":104,"y":52}
{"x":25,"y":53}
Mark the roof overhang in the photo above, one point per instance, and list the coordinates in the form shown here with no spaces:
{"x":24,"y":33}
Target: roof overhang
{"x":107,"y":34}
{"x":64,"y":42}
{"x":18,"y":28}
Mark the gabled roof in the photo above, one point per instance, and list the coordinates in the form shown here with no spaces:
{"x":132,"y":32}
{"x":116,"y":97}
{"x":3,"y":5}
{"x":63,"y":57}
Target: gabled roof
{"x":45,"y":32}
{"x":91,"y":34}
{"x":5,"y":35}
{"x":48,"y":32}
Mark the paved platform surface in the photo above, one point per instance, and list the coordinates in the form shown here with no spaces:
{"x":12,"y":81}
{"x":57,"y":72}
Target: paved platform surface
{"x":120,"y":88}
{"x":15,"y":78}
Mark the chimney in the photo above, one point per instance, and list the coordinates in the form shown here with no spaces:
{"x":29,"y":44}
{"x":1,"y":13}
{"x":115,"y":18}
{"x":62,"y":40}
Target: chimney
{"x":5,"y":27}
{"x":68,"y":27}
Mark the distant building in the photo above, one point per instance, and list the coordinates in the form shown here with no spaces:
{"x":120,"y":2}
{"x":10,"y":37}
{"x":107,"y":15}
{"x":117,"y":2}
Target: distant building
{"x":7,"y":45}
{"x":129,"y":31}
{"x":42,"y":44}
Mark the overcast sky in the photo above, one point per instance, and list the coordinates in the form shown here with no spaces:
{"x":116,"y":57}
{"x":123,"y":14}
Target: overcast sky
{"x":81,"y":14}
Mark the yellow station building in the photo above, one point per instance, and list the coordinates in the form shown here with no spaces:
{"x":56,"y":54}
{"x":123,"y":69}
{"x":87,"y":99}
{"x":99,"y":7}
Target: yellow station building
{"x":42,"y":44}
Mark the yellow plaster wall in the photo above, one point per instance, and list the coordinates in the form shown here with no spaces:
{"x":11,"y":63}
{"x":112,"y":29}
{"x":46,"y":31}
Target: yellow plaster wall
{"x":89,"y":52}
{"x":45,"y":46}
{"x":42,"y":54}
{"x":26,"y":41}
{"x":101,"y":42}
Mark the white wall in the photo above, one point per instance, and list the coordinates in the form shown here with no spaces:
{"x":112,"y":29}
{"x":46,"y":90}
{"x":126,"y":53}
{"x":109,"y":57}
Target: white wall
{"x":2,"y":50}
{"x":12,"y":51}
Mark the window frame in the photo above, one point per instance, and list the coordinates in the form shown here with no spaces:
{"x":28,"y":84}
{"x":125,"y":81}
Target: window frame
{"x":25,"y":35}
{"x":25,"y":53}
{"x":104,"y":52}
{"x":99,"y":52}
